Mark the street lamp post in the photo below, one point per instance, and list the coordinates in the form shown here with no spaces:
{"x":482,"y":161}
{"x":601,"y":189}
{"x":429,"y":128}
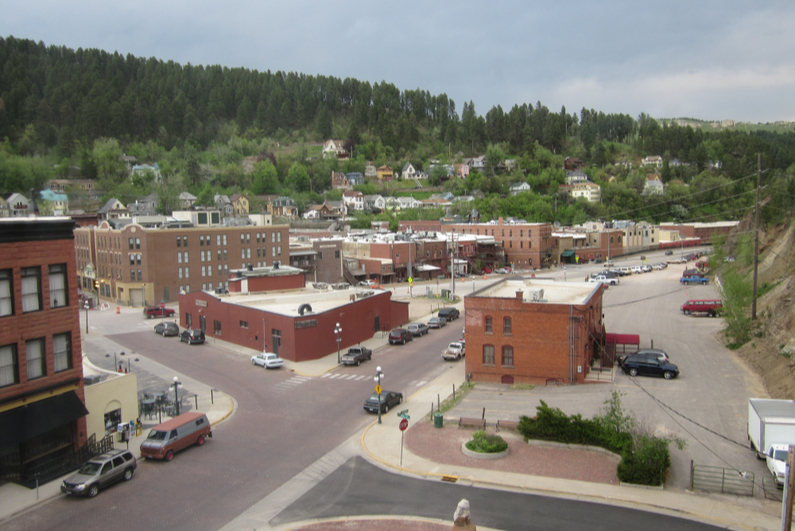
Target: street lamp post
{"x":564,"y":273}
{"x":337,"y":331}
{"x":378,"y":376}
{"x":86,"y":307}
{"x":176,"y":385}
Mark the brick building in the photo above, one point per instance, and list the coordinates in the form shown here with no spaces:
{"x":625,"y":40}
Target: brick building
{"x":42,"y":411}
{"x":136,"y":265}
{"x":704,"y":231}
{"x":533,"y":331}
{"x":526,"y":245}
{"x":298,"y":326}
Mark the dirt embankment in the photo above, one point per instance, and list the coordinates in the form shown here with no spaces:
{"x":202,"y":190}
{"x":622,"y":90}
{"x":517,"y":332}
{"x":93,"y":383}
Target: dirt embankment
{"x":771,"y":350}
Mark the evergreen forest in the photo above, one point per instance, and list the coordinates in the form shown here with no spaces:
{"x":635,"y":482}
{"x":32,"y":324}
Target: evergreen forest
{"x":72,"y":114}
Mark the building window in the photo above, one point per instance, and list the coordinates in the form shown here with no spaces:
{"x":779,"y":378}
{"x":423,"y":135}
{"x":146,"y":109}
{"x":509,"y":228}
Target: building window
{"x":220,"y":269}
{"x":201,"y":239}
{"x":242,"y":253}
{"x":141,"y":277}
{"x":62,"y":350}
{"x":34,"y":353}
{"x":202,"y":256}
{"x":187,"y":272}
{"x":9,"y":373}
{"x":132,"y":259}
{"x":179,"y":241}
{"x":224,"y":239}
{"x":184,"y":241}
{"x":58,"y":291}
{"x":218,"y":239}
{"x":6,"y":295}
{"x":132,"y":275}
{"x":138,"y":259}
{"x":179,"y":258}
{"x":336,"y":254}
{"x":243,"y":324}
{"x":507,"y":356}
{"x":203,"y":270}
{"x":489,"y":326}
{"x":130,"y":242}
{"x":506,"y":326}
{"x":185,"y":257}
{"x":112,"y":421}
{"x":488,"y":354}
{"x":31,"y":289}
{"x":226,"y":254}
{"x":217,"y":328}
{"x":137,"y":243}
{"x":204,"y":287}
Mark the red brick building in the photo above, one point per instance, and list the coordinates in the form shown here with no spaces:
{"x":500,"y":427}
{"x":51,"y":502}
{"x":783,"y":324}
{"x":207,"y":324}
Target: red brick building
{"x":254,"y":280}
{"x":297,"y":326}
{"x":138,"y":265}
{"x":531,"y":331}
{"x":42,"y":400}
{"x":705,"y":231}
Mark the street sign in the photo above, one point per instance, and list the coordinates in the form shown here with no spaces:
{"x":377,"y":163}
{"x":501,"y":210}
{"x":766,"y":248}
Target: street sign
{"x":404,"y":424}
{"x":162,"y":304}
{"x":411,"y":279}
{"x":378,"y":389}
{"x":402,"y":413}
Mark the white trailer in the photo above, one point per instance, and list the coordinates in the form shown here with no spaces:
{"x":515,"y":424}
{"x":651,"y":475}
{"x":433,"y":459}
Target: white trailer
{"x":770,"y":422}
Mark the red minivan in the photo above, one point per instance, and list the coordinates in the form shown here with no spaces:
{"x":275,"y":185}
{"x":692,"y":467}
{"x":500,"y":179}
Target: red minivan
{"x":709,"y":306}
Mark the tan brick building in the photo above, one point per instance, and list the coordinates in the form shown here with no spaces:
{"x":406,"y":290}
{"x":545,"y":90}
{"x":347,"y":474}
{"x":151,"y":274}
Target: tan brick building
{"x":533,"y":331}
{"x":135,"y":265}
{"x":42,"y":411}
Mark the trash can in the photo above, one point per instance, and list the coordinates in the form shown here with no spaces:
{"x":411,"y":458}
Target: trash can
{"x":438,"y":420}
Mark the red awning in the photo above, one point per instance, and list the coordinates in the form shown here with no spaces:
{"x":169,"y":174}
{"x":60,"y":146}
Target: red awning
{"x":623,"y":339}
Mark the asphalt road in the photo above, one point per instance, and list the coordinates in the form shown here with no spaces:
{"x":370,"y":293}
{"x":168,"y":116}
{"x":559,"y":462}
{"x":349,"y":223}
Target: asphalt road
{"x":283,"y":424}
{"x":358,"y":489}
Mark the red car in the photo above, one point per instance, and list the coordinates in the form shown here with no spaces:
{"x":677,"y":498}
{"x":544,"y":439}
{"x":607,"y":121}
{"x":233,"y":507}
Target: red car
{"x":157,"y":311}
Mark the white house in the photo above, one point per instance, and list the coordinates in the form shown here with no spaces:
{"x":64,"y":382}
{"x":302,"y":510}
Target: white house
{"x":333,"y":148}
{"x":518,"y":188}
{"x":576,"y":177}
{"x":375,"y":202}
{"x":653,"y":160}
{"x":409,"y":202}
{"x":353,"y":200}
{"x":408,"y":171}
{"x":18,"y":205}
{"x":653,"y":186}
{"x":590,"y":191}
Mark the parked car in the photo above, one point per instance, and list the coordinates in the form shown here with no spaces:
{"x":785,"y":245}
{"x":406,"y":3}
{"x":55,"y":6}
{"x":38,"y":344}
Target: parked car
{"x":388,"y":399}
{"x":646,"y":268}
{"x":602,"y":279}
{"x":637,"y":270}
{"x":192,"y":336}
{"x":100,"y":472}
{"x":647,"y":352}
{"x":501,"y":271}
{"x":451,"y":314}
{"x":367,"y":283}
{"x":648,"y":365}
{"x":668,"y":252}
{"x":400,"y":335}
{"x":437,"y":322}
{"x":454,"y":351}
{"x":709,"y":306}
{"x":267,"y":360}
{"x":157,"y":311}
{"x":356,"y":355}
{"x":418,"y":329}
{"x":167,"y":328}
{"x":168,"y":438}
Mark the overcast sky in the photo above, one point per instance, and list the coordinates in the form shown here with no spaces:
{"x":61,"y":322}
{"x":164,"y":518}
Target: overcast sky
{"x":713,"y":60}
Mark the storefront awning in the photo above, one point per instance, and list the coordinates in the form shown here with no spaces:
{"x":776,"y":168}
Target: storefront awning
{"x":568,"y":253}
{"x":23,"y":423}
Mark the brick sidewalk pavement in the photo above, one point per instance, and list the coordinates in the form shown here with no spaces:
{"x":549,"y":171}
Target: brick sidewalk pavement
{"x":444,"y":446}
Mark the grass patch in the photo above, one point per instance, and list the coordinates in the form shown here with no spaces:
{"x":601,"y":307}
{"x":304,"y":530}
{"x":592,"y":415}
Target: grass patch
{"x":523,"y":387}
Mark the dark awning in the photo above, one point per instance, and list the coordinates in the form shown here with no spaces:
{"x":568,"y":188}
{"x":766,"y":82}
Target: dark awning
{"x":567,"y":253}
{"x":23,"y":423}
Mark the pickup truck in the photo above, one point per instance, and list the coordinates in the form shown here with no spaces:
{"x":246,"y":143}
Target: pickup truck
{"x":356,"y":355}
{"x":454,"y":351}
{"x":697,"y":279}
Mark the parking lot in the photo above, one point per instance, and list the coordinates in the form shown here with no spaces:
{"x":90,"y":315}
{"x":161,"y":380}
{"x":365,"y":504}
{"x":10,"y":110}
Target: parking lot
{"x":706,"y":406}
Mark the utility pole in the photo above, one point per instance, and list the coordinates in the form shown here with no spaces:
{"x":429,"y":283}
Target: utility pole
{"x":454,"y":252}
{"x":789,"y":491}
{"x":756,"y":233}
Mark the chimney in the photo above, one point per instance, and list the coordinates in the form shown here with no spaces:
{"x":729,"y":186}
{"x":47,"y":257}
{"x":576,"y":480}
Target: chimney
{"x":519,"y":294}
{"x":500,"y":220}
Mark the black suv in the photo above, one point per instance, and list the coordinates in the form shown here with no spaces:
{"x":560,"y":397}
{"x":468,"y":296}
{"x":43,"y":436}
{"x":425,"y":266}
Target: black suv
{"x":450,"y":314}
{"x":192,"y":336}
{"x":649,"y":363}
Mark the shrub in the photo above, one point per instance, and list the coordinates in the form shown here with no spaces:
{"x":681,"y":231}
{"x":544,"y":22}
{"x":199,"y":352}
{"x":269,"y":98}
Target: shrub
{"x":486,"y":444}
{"x":645,"y":459}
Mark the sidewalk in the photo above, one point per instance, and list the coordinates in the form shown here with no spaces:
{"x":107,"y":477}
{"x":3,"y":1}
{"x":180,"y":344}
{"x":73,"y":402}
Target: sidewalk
{"x":381,"y":444}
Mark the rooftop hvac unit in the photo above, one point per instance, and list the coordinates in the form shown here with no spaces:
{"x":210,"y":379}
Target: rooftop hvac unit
{"x":537,"y":295}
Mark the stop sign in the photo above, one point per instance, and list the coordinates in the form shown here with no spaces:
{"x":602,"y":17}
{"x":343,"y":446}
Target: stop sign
{"x":162,"y":304}
{"x":404,"y":424}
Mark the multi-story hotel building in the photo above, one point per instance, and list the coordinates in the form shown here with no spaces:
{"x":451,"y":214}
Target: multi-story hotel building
{"x":137,"y":265}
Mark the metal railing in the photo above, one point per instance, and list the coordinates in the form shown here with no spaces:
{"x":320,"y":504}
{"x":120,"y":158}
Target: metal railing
{"x":723,"y":480}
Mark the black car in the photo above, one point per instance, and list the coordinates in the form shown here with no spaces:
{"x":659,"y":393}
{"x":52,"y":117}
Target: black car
{"x":400,"y":335}
{"x":649,"y":364}
{"x":167,"y":329}
{"x":669,"y":253}
{"x":388,"y":399}
{"x":192,"y":336}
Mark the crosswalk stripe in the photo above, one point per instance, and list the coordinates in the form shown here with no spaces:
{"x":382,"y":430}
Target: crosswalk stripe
{"x":326,"y":375}
{"x":421,"y":383}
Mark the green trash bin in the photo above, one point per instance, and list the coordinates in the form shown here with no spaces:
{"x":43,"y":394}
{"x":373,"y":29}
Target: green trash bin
{"x":438,"y":420}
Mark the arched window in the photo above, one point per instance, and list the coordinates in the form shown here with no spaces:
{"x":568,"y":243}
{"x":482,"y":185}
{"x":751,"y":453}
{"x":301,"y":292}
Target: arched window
{"x":507,"y":356}
{"x":488,"y":355}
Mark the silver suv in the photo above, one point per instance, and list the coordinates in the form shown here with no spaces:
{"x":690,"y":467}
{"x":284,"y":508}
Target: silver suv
{"x":100,"y":472}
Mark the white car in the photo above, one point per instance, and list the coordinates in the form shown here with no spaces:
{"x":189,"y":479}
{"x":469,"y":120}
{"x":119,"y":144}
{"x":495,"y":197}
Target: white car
{"x":637,"y":270}
{"x":368,"y":283}
{"x":612,"y":281}
{"x":267,"y":360}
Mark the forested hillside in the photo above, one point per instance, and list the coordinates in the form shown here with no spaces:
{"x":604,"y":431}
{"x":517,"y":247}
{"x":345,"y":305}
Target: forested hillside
{"x":72,"y":113}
